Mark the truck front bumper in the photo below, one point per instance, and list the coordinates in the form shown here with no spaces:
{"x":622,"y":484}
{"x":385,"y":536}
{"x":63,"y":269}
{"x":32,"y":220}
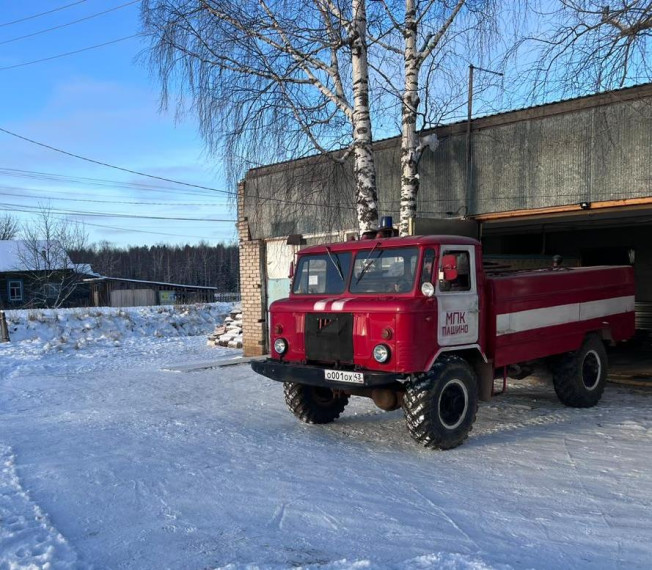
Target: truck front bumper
{"x":314,"y":375}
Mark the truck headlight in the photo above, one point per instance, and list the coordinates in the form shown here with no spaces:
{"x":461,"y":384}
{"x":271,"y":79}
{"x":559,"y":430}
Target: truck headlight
{"x":381,"y":353}
{"x":280,"y":345}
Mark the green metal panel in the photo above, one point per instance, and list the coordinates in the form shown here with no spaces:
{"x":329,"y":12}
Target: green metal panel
{"x":277,"y":289}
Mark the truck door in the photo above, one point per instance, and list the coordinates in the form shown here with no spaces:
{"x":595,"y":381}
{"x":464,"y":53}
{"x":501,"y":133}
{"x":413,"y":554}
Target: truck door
{"x":457,"y":296}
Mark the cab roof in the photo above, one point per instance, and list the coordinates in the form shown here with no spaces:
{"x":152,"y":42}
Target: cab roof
{"x":407,"y":241}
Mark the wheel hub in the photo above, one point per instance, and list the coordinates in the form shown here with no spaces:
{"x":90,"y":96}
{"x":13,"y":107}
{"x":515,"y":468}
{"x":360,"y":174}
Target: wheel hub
{"x":591,"y":370}
{"x":323,"y":396}
{"x":453,"y":403}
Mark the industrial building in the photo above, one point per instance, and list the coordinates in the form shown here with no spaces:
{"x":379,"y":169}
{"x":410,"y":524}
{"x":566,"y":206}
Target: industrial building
{"x":572,"y":178}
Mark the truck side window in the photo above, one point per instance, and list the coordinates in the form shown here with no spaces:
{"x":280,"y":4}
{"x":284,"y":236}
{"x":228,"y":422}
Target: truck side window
{"x":427,"y":266}
{"x":454,"y":271}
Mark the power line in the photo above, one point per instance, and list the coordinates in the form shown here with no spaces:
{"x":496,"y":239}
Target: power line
{"x":31,"y":209}
{"x":85,"y":223}
{"x":68,"y":53}
{"x":231,"y":193}
{"x":41,"y":14}
{"x":227,"y":192}
{"x":69,"y":23}
{"x":145,"y":231}
{"x":101,"y":182}
{"x":123,"y":202}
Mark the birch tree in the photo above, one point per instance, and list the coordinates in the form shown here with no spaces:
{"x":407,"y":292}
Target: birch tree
{"x":271,"y":80}
{"x":433,"y":35}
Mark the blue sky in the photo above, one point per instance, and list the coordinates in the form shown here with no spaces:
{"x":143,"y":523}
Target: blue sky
{"x":101,"y":104}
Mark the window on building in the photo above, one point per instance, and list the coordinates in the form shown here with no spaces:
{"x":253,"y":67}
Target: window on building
{"x":15,"y":287}
{"x":51,"y":290}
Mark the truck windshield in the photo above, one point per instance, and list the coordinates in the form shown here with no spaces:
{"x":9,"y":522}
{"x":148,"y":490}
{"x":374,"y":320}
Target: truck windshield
{"x":322,"y":274}
{"x":384,"y":270}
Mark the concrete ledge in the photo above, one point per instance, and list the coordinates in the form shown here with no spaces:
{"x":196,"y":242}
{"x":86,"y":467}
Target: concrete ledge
{"x":213,"y":364}
{"x":641,"y":380}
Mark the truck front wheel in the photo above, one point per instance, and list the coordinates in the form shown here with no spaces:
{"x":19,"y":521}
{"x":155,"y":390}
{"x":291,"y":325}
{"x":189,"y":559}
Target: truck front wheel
{"x":579,"y":377}
{"x":313,"y":404}
{"x":440,"y":406}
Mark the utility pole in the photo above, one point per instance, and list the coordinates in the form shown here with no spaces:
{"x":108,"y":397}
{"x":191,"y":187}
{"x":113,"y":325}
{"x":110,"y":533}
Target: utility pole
{"x":469,"y":165}
{"x":4,"y":330}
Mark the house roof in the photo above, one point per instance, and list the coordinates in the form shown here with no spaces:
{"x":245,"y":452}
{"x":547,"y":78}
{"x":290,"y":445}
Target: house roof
{"x":143,"y":282}
{"x":15,"y":256}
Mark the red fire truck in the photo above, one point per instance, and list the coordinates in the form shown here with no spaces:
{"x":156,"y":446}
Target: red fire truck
{"x":418,"y":322}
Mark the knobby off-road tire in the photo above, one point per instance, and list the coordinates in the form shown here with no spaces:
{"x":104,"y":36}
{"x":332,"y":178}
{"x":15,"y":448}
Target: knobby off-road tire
{"x":312,"y":404}
{"x":579,"y":377}
{"x":440,"y":406}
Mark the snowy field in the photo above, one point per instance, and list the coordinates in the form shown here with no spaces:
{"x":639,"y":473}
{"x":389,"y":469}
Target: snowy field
{"x":111,"y":460}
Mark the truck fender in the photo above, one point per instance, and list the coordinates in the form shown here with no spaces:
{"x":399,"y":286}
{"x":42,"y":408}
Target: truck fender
{"x":482,"y":366}
{"x":605,"y":334}
{"x":463,"y":350}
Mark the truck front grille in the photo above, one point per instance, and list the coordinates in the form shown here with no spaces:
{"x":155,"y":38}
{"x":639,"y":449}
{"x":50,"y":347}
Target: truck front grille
{"x":329,"y":337}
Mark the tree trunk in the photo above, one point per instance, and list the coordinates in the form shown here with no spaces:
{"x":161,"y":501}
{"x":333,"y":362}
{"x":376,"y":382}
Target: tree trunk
{"x":364,"y":166}
{"x":409,"y":138}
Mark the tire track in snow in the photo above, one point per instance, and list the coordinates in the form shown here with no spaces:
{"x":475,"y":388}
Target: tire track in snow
{"x":27,"y":538}
{"x":590,"y":498}
{"x":278,"y":517}
{"x":442,"y":512}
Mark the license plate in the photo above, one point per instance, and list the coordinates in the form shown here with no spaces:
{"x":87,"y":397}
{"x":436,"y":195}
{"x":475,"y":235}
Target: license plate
{"x":344,"y":376}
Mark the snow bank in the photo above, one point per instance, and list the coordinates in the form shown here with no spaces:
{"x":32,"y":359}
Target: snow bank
{"x":72,"y":329}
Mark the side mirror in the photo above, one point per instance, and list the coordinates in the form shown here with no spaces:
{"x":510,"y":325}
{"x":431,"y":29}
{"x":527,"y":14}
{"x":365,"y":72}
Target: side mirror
{"x":291,"y":274}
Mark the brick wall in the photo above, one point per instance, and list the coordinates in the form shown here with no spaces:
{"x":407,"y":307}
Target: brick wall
{"x":252,"y":286}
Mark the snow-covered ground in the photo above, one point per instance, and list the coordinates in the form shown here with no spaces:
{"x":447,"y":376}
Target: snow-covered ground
{"x":109,"y":459}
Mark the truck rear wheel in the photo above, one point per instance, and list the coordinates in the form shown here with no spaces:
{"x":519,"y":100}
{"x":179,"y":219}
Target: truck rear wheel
{"x":580,"y":377}
{"x":440,"y":406}
{"x":314,"y":404}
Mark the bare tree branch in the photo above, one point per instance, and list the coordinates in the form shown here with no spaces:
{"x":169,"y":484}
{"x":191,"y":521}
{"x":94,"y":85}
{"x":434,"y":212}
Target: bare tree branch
{"x":44,"y":252}
{"x":268,"y":81}
{"x":9,"y":227}
{"x":586,"y":46}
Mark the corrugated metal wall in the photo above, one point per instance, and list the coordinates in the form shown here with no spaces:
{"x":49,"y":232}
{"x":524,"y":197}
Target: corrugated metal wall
{"x":548,"y":156}
{"x":305,"y":197}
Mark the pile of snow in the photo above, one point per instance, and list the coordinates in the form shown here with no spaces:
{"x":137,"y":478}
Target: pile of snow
{"x":72,"y":329}
{"x":228,"y":334}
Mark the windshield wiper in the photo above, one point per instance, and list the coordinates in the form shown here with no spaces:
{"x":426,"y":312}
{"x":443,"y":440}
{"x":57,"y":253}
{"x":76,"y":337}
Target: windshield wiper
{"x":335,"y":263}
{"x":368,"y":263}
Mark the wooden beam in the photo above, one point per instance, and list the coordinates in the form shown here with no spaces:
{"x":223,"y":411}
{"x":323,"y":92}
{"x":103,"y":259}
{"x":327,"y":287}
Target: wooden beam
{"x":630,"y":203}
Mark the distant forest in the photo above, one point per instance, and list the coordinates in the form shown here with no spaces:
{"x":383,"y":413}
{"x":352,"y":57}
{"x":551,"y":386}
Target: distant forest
{"x":202,"y":264}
